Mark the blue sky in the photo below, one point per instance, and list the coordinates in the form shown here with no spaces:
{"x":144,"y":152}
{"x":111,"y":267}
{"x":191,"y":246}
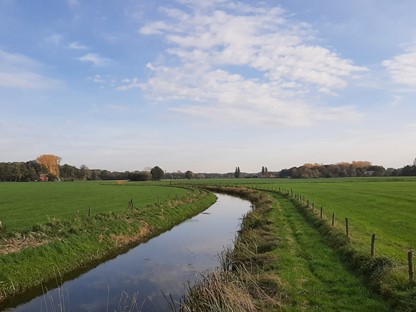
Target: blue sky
{"x":208,"y":85}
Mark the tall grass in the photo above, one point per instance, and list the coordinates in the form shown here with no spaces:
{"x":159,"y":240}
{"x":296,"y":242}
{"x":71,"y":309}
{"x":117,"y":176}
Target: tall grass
{"x":243,"y":283}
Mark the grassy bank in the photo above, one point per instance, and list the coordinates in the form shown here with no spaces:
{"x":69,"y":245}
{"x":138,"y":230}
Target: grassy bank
{"x":280,"y":263}
{"x":69,"y":244}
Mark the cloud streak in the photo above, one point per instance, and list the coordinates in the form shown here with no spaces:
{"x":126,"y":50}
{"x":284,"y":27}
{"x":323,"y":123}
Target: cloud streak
{"x":245,"y":62}
{"x":95,"y":59}
{"x":18,"y":71}
{"x":402,"y":68}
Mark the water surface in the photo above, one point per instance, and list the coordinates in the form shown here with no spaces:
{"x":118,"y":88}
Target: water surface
{"x":142,"y":277}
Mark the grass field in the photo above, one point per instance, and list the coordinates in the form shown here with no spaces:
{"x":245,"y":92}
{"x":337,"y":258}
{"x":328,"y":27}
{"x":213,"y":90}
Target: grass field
{"x":75,"y":241}
{"x":383,"y":206}
{"x":23,"y":205}
{"x":386,"y":208}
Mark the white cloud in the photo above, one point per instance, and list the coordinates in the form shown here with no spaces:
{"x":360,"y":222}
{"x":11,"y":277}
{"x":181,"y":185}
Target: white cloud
{"x":402,"y":68}
{"x":95,"y":59}
{"x":21,"y":72}
{"x":98,"y":79}
{"x":55,"y":39}
{"x":129,"y":84}
{"x":248,"y":61}
{"x":77,"y":46}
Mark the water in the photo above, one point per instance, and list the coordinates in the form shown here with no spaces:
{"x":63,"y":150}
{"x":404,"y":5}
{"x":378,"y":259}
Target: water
{"x":142,"y":278}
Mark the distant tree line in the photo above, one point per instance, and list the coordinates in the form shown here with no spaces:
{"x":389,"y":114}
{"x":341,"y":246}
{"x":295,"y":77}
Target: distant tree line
{"x":47,"y":168}
{"x":21,"y":171}
{"x":343,"y":169}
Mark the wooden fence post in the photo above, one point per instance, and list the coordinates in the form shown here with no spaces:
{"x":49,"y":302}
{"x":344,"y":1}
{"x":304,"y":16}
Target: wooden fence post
{"x":411,"y":269}
{"x":373,"y":245}
{"x":321,"y":211}
{"x":333,"y":218}
{"x":89,"y":211}
{"x":346,"y":227}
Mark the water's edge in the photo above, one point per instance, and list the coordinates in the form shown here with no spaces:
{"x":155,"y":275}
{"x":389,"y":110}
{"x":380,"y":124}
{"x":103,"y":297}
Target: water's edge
{"x":162,"y":264}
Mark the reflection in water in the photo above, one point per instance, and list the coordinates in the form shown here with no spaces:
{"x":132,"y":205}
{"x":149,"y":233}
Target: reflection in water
{"x":140,"y":279}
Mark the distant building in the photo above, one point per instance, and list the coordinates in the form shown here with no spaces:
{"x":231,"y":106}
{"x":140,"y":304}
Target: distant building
{"x":43,"y":177}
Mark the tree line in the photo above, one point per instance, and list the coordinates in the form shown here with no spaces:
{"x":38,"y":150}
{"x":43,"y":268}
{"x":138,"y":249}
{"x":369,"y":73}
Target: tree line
{"x":48,"y":168}
{"x":345,"y":169}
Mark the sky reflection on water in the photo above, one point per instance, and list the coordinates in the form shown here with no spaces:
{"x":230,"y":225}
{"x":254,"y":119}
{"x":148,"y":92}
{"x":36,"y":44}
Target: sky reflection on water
{"x":162,"y":265}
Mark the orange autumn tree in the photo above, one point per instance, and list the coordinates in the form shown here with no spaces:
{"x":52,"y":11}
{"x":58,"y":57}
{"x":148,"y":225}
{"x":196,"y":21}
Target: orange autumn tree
{"x":51,"y":162}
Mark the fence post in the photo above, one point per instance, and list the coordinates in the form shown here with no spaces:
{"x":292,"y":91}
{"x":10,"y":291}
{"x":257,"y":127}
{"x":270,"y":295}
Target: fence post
{"x":89,"y":211}
{"x":333,"y":218}
{"x":307,"y":203}
{"x":373,"y":245}
{"x":321,"y":211}
{"x":346,"y":226}
{"x":411,"y":269}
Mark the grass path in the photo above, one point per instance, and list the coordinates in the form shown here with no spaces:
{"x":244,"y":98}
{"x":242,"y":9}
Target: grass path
{"x":386,"y":208}
{"x":314,"y":277}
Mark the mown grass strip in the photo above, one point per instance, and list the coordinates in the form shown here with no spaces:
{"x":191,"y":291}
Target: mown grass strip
{"x":381,"y":273}
{"x":315,"y":277}
{"x":84,"y":241}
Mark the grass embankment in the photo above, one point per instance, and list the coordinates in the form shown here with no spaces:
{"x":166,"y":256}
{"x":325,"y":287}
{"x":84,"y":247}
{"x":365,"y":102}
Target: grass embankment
{"x":280,"y":263}
{"x":80,"y":241}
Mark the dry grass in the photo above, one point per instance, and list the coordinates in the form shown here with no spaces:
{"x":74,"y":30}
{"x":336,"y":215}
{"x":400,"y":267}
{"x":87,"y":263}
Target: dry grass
{"x":19,"y":242}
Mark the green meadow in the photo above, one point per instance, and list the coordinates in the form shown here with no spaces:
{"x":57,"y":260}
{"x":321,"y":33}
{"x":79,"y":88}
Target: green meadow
{"x":382,"y":206}
{"x":385,"y":207}
{"x":49,"y":233}
{"x":310,"y":272}
{"x":22,"y":205}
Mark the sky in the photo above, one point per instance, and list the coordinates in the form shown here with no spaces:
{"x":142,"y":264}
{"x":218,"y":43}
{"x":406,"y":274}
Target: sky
{"x":208,"y":85}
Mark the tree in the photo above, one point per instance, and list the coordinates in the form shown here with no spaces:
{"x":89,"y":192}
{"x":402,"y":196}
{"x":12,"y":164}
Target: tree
{"x":139,"y":176}
{"x":157,"y":173}
{"x":237,"y":172}
{"x":51,"y":162}
{"x":189,"y":174}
